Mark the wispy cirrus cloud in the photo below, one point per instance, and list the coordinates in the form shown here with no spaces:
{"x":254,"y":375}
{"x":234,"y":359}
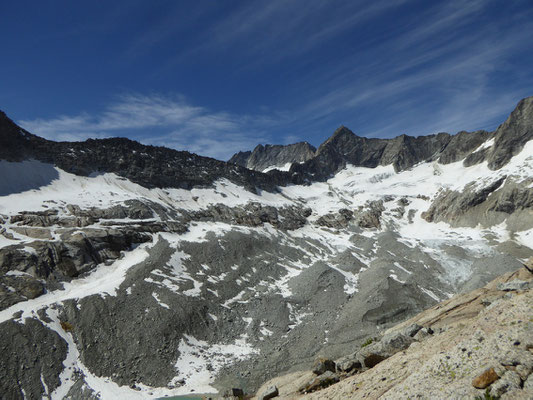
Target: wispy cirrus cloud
{"x":265,"y":33}
{"x":436,"y":75}
{"x":382,"y":68}
{"x":161,"y":120}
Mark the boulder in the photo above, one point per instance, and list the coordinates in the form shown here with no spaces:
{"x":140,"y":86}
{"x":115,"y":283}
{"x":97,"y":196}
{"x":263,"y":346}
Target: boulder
{"x":389,"y":345}
{"x":269,"y":393}
{"x":348,"y":363}
{"x":488,"y":377}
{"x":423,"y":334}
{"x":322,"y":381}
{"x":515,"y":285}
{"x":322,"y":365}
{"x":508,"y":382}
{"x":411,"y":330}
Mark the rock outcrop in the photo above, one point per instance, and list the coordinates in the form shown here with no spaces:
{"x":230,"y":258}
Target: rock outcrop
{"x":271,"y":156}
{"x":149,"y":166}
{"x":511,"y":136}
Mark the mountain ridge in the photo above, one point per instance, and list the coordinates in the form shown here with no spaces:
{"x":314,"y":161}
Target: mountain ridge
{"x":306,"y":164}
{"x":345,"y":147}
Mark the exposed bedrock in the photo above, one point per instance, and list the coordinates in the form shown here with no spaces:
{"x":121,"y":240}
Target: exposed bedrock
{"x":263,"y":157}
{"x":502,"y":200}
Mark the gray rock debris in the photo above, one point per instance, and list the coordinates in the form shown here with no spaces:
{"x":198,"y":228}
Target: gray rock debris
{"x":28,"y":368}
{"x":515,"y":285}
{"x":322,"y":365}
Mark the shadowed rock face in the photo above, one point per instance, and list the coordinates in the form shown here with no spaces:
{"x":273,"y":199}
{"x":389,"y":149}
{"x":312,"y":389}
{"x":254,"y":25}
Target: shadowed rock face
{"x":511,"y":136}
{"x":267,"y":156}
{"x":148,"y":166}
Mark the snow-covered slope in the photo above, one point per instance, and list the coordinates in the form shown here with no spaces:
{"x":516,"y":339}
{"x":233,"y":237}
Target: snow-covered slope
{"x":131,"y":290}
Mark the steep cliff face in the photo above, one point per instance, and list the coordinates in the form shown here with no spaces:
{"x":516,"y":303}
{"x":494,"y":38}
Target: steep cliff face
{"x":512,"y":135}
{"x":268,"y":157}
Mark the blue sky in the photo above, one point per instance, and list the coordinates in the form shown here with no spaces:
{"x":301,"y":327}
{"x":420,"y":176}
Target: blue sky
{"x":216,"y":77}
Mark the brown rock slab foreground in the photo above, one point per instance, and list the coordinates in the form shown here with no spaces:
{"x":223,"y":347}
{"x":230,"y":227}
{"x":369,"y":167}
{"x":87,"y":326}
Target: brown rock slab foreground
{"x":484,"y":380}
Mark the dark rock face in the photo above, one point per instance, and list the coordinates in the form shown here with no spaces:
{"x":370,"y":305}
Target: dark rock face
{"x":403,"y":152}
{"x":267,"y":156}
{"x":32,"y":356}
{"x":148,"y":166}
{"x":14,"y":141}
{"x":511,"y":136}
{"x":462,"y":145}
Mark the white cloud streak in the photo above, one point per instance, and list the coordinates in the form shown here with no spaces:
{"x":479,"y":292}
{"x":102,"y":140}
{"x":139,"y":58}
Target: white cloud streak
{"x":435,"y":72}
{"x":161,"y":120}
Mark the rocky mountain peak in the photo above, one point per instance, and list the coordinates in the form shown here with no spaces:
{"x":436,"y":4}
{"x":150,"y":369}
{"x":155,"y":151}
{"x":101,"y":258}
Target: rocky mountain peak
{"x":268,"y":157}
{"x":511,"y":136}
{"x":13,"y":139}
{"x":341,"y":135}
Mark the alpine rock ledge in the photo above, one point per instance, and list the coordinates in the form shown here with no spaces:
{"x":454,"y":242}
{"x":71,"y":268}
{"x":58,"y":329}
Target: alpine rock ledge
{"x":133,"y":271}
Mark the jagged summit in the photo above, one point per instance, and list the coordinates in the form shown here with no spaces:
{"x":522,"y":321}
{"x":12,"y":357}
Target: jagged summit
{"x":345,"y":147}
{"x":511,"y":136}
{"x":267,"y":157}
